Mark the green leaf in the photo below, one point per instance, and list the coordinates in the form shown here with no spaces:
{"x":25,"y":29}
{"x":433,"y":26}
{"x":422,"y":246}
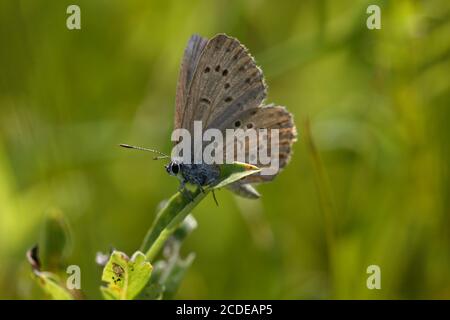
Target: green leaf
{"x":49,"y":282}
{"x":52,"y":285}
{"x":168,"y":219}
{"x":56,"y":241}
{"x":154,"y":289}
{"x":233,"y":172}
{"x":188,"y":225}
{"x":175,"y":274}
{"x":125,"y":277}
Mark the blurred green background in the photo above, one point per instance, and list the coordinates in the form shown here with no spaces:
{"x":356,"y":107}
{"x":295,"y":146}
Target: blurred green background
{"x":377,"y":101}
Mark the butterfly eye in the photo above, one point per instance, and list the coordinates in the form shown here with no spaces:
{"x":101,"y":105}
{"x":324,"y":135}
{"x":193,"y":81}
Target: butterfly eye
{"x":175,"y":168}
{"x":237,"y":123}
{"x":250,"y":125}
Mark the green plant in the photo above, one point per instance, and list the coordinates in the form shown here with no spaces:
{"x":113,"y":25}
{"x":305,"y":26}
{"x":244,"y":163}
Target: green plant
{"x":138,"y":276}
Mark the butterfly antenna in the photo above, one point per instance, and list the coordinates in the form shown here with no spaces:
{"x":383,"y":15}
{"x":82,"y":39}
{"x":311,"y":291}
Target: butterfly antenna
{"x":161,"y":154}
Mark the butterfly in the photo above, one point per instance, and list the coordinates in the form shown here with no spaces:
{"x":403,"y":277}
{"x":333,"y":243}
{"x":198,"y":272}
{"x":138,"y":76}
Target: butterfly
{"x":220,"y":85}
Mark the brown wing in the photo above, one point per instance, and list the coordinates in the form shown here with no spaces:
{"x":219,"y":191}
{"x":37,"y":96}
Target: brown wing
{"x":226,"y":82}
{"x":266,"y":117}
{"x":244,"y":190}
{"x":192,"y":53}
{"x":219,"y":84}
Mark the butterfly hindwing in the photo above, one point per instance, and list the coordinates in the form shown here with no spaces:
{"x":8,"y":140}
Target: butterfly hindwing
{"x":244,"y":190}
{"x":267,"y":117}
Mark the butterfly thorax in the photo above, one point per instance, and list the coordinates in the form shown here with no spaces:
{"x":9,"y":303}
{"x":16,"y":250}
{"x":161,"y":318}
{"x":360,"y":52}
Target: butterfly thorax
{"x":200,"y":174}
{"x":197,"y":174}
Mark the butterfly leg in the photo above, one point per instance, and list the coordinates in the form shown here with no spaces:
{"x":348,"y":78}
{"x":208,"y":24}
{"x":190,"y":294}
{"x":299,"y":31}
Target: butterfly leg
{"x":214,"y":196}
{"x":182,"y":189}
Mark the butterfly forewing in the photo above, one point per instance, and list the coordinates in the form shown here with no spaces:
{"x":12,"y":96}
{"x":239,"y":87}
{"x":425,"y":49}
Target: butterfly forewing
{"x":225,"y":82}
{"x":192,"y":53}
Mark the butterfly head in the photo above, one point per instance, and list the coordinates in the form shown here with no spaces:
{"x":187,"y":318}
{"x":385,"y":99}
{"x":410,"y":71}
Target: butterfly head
{"x":174,"y":168}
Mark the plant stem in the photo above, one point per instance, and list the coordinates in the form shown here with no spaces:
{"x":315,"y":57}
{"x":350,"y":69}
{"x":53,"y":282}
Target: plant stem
{"x":168,"y":219}
{"x":326,"y":201}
